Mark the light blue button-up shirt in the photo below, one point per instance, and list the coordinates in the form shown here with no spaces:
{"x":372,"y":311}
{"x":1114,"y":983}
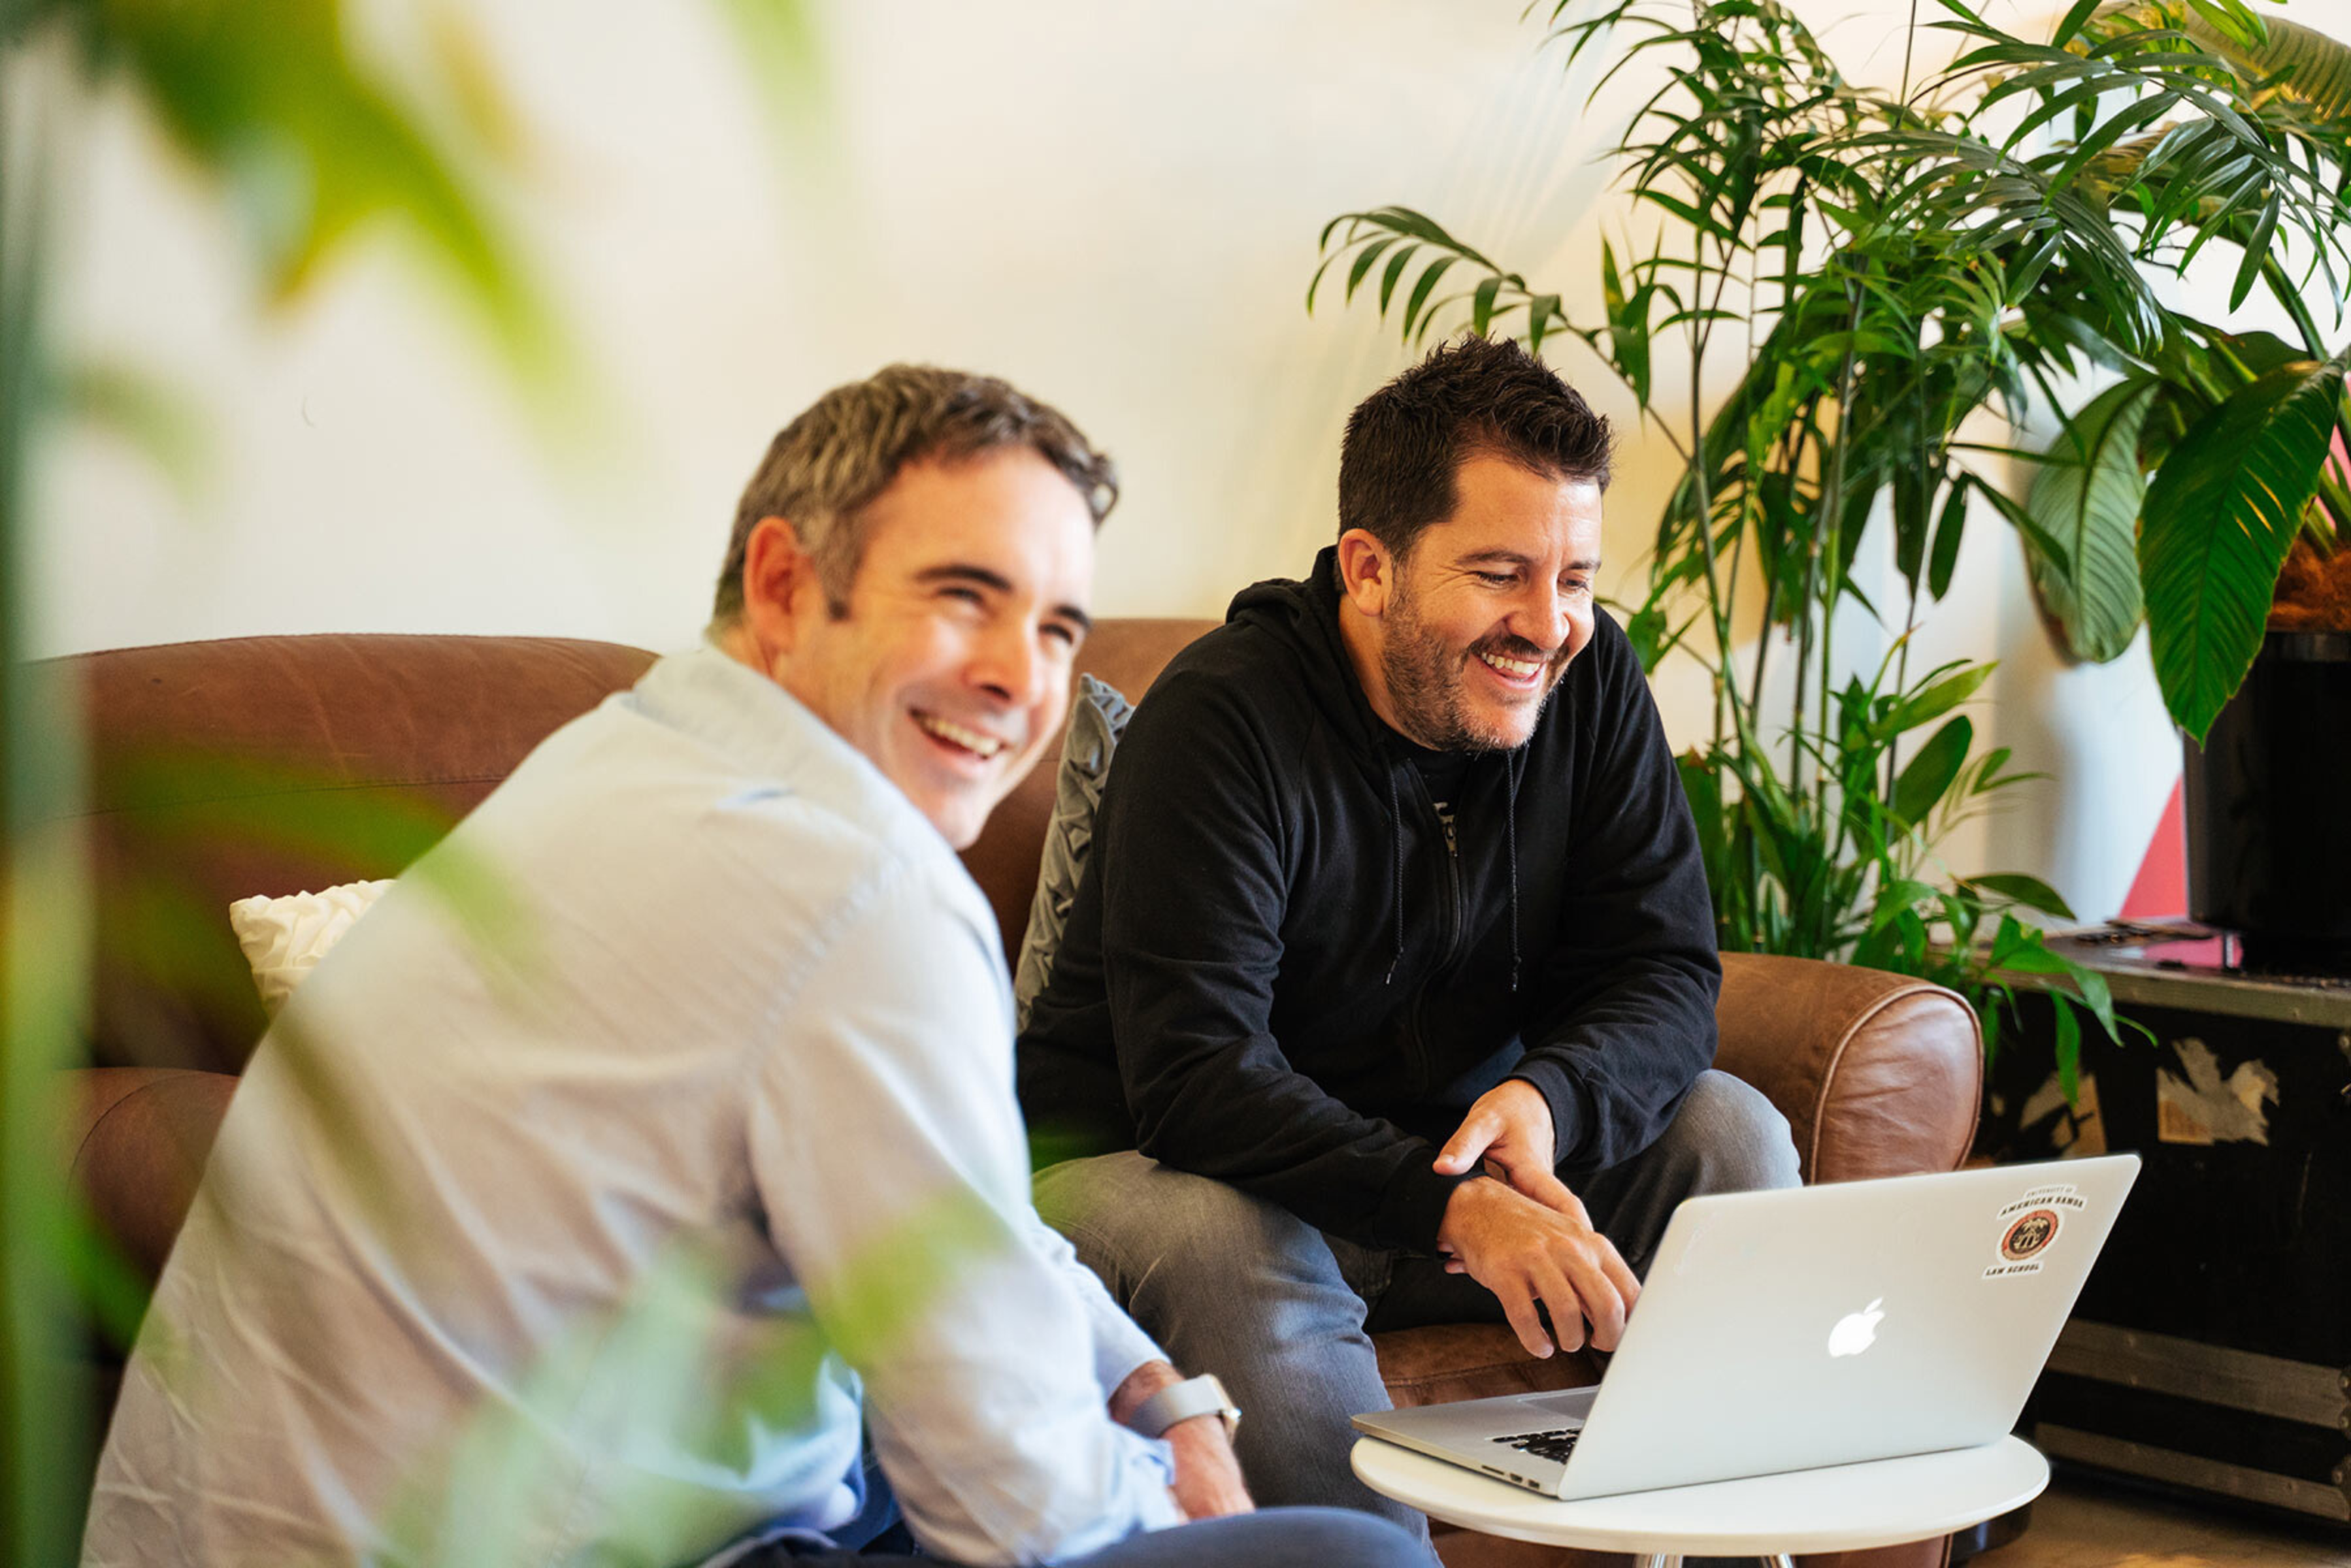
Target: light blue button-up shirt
{"x":660,"y":1122}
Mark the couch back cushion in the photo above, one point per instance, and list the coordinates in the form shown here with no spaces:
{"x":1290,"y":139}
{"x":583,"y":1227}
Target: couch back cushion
{"x":277,"y":765}
{"x":1128,"y":655}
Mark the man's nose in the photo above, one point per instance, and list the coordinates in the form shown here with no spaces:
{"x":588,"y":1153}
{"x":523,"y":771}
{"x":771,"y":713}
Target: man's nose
{"x":1009,"y":663}
{"x":1541,"y":618}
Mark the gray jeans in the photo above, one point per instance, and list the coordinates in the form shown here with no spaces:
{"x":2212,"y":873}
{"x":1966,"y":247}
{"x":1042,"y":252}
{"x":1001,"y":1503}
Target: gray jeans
{"x":1283,"y":1313}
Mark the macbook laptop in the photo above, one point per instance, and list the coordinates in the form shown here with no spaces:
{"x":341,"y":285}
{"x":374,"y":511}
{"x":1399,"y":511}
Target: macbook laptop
{"x":1822,"y":1325}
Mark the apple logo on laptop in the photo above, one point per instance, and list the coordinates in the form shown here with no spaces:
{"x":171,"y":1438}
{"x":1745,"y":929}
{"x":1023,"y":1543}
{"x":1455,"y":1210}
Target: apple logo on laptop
{"x":1857,"y":1332}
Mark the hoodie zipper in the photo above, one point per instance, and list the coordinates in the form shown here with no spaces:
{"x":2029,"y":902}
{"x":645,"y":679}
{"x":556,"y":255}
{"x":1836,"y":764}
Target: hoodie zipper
{"x":1456,"y":918}
{"x":1455,"y":922}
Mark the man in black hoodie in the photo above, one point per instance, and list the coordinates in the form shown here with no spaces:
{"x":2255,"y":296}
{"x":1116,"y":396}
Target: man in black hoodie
{"x":1390,"y":980}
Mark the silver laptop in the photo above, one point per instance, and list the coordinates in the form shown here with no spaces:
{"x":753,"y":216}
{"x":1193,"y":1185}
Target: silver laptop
{"x":1824,"y":1325}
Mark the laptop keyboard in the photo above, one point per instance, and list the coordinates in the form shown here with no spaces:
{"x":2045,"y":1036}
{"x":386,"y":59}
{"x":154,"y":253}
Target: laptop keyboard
{"x":1545,"y":1445}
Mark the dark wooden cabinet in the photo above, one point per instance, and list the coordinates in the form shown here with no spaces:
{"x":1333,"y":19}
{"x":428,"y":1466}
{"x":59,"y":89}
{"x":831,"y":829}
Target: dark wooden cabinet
{"x":2211,"y":1348}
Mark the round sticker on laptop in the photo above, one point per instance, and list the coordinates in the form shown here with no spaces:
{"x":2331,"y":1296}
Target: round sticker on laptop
{"x":2029,"y":1227}
{"x":2029,"y":1234}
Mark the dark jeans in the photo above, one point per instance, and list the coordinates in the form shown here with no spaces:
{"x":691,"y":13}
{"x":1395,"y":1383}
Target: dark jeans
{"x":1276,"y":1538}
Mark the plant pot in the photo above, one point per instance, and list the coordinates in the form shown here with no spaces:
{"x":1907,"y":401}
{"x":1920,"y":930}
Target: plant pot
{"x":2269,"y":808}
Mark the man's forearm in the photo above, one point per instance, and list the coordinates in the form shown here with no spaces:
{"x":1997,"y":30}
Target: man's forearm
{"x":1209,"y":1482}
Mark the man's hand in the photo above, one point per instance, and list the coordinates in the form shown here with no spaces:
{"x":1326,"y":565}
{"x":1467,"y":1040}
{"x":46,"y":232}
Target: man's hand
{"x":1208,"y":1474}
{"x":1532,"y":1254}
{"x":1510,"y":1130}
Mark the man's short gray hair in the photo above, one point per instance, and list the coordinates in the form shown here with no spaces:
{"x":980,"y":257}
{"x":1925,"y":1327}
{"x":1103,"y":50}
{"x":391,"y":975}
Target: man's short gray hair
{"x":824,"y":468}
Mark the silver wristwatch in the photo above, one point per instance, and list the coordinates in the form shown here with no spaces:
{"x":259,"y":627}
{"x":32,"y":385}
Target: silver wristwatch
{"x":1202,"y":1395}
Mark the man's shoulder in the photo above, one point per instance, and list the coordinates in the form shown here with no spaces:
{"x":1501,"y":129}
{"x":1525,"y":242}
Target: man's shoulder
{"x":763,"y":812}
{"x":1238,"y":673}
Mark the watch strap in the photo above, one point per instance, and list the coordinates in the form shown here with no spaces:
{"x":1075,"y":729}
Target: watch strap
{"x":1202,"y":1395}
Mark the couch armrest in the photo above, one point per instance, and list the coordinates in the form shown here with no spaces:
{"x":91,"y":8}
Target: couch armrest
{"x":1878,"y":1074}
{"x":135,"y":1139}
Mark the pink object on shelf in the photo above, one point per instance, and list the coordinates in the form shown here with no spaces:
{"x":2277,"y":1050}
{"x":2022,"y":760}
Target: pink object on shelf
{"x":2159,"y":892}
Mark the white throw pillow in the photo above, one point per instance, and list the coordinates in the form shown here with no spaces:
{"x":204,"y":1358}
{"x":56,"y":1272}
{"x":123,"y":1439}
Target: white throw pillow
{"x":284,"y":937}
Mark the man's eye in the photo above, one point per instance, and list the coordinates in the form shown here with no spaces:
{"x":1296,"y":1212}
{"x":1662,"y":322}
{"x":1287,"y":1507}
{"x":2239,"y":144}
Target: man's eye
{"x":1066,"y":636}
{"x":1496,"y":579}
{"x":962,"y":595}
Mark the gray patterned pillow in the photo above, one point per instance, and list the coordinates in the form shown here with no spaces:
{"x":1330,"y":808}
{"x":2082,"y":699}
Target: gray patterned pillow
{"x":1098,"y":716}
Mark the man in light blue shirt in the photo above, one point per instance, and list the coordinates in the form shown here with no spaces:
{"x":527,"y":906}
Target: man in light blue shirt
{"x":588,"y":1223}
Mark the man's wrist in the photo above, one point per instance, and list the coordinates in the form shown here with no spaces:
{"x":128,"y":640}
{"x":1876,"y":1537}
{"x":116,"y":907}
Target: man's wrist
{"x":1477,"y":1189}
{"x":1139,"y":1385}
{"x":1414,"y":1203}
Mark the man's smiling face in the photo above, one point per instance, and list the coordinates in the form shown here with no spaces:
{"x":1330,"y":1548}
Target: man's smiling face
{"x":949,"y":665}
{"x":1476,"y":624}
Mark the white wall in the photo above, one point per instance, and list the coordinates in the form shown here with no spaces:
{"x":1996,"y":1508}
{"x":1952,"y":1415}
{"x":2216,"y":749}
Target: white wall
{"x":1114,"y":204}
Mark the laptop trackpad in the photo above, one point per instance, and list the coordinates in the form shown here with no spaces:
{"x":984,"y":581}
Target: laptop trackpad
{"x":1575,"y":1403}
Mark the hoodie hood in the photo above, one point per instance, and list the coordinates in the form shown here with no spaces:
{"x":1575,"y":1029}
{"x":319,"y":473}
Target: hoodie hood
{"x":1304,"y":616}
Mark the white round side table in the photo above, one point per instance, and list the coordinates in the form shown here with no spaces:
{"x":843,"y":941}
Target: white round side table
{"x":1840,"y":1508}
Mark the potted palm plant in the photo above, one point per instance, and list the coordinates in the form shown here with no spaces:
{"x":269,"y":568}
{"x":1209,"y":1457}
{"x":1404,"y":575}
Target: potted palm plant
{"x":2205,"y":491}
{"x":1857,"y":344}
{"x":1868,"y":270}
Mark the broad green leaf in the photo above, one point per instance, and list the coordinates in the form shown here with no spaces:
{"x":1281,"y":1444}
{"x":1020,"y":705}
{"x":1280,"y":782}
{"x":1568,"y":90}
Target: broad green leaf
{"x":1541,"y":310}
{"x":2028,"y":527}
{"x":270,"y":102}
{"x":2098,"y":997}
{"x":2069,"y":1047}
{"x":1702,"y":786}
{"x":2029,"y":891}
{"x":2257,"y":352}
{"x":1893,"y":897}
{"x":2219,"y":517}
{"x":1423,"y":289}
{"x":163,"y":422}
{"x":1363,"y":259}
{"x":2025,"y":955}
{"x":1929,"y":776}
{"x":1933,"y":701}
{"x":1396,"y":264}
{"x":2077,"y":14}
{"x":1481,"y":306}
{"x":2086,"y":497}
{"x":2257,"y":252}
{"x":1947,"y":531}
{"x":779,"y":40}
{"x":2313,"y":66}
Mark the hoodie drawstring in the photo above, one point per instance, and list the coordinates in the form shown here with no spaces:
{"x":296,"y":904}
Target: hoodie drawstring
{"x":1510,"y":837}
{"x":1396,"y":856}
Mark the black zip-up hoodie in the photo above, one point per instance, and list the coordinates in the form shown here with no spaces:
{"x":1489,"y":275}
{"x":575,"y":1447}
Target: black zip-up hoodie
{"x":1277,"y":974}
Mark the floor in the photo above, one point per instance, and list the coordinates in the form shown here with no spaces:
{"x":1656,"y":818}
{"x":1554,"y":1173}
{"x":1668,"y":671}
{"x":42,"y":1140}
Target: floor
{"x":2083,"y":1524}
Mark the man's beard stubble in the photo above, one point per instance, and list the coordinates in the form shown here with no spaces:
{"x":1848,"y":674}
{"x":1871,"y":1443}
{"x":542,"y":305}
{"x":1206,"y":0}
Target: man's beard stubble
{"x":1424,"y":677}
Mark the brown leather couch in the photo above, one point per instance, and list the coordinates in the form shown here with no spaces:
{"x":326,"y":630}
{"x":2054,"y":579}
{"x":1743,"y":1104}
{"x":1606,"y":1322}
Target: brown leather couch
{"x":279,"y":764}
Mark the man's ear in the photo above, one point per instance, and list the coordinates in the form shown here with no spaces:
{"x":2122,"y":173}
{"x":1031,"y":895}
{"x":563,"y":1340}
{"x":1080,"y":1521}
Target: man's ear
{"x":780,"y":587}
{"x":1367,"y":572}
